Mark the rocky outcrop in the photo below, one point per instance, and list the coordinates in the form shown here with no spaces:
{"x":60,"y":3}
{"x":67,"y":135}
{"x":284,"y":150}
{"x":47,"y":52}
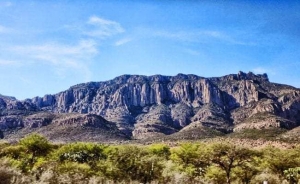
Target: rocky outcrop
{"x":156,"y":120}
{"x":264,"y":120}
{"x":122,"y":99}
{"x":143,"y":106}
{"x":11,"y":106}
{"x":11,"y":122}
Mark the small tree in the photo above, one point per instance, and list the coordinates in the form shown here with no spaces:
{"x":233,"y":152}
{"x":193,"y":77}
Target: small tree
{"x":278,"y":160}
{"x":227,"y":157}
{"x":36,"y":144}
{"x":29,"y":150}
{"x":160,"y":150}
{"x":133,"y":163}
{"x":191,"y":159}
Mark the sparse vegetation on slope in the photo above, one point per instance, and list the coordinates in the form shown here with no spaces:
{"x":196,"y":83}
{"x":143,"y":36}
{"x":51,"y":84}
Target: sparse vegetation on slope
{"x":158,"y":108}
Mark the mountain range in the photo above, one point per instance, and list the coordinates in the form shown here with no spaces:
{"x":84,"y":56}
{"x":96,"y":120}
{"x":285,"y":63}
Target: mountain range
{"x":134,"y":107}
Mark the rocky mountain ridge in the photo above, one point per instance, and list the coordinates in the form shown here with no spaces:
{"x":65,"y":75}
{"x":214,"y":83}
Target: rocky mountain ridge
{"x":147,"y":106}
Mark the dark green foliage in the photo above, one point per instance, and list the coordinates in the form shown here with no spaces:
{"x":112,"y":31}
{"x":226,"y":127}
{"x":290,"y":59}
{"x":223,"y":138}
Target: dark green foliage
{"x":278,"y":160}
{"x":35,"y":160}
{"x":228,"y":157}
{"x":160,"y":150}
{"x":292,"y":174}
{"x":81,"y":152}
{"x":134,"y":163}
{"x":36,"y":144}
{"x":193,"y":159}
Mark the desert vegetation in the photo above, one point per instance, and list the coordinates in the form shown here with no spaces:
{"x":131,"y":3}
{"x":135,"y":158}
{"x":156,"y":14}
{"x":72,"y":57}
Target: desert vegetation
{"x":35,"y":160}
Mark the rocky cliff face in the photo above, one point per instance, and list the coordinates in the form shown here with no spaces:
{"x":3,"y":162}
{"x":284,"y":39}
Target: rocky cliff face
{"x":143,"y":106}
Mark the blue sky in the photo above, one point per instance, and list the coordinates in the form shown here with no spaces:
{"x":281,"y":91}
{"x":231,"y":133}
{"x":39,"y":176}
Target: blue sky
{"x":48,"y":46}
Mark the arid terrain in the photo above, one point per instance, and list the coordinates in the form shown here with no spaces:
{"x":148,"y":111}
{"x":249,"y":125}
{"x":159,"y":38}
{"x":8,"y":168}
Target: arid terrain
{"x":159,"y":108}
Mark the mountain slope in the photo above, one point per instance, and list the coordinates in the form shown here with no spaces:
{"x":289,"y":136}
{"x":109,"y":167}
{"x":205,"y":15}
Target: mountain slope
{"x":149,"y":106}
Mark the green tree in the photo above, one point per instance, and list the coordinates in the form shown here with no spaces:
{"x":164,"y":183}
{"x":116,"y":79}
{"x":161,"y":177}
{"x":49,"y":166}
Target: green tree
{"x":36,"y":144}
{"x":193,"y":159}
{"x":89,"y":153}
{"x":27,"y":152}
{"x":228,"y":157}
{"x":279,"y":160}
{"x":160,"y":150}
{"x":133,"y":163}
{"x":247,"y":171}
{"x":215,"y":174}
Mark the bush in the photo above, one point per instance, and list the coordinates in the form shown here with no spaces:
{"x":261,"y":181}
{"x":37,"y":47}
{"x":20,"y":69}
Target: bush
{"x":36,"y":144}
{"x":133,"y":163}
{"x":160,"y":150}
{"x":192,"y":159}
{"x":81,"y":152}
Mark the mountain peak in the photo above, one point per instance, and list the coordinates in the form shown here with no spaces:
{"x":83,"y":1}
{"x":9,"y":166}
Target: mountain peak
{"x":252,"y":76}
{"x":146,"y":106}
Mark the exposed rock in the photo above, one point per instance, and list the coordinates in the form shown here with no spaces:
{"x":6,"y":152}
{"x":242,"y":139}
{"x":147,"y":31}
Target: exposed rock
{"x":11,"y":122}
{"x":181,"y":114}
{"x":38,"y":120}
{"x":264,"y":121}
{"x":147,"y":106}
{"x":156,"y":120}
{"x":213,"y":116}
{"x":120,"y":99}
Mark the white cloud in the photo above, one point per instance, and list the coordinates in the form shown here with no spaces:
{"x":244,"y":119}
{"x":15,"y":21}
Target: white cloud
{"x":8,"y":63}
{"x":122,"y":41}
{"x":62,"y":57}
{"x":56,"y":49}
{"x":103,"y":28}
{"x":261,"y":70}
{"x":202,"y":36}
{"x":182,"y":36}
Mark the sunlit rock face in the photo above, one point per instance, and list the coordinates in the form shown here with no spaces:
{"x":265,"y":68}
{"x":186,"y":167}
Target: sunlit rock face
{"x":145,"y":106}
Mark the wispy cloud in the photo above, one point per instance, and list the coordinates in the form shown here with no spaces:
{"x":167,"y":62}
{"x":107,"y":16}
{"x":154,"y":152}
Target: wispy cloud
{"x":202,"y":36}
{"x":58,"y":49}
{"x":65,"y":58}
{"x":122,"y":41}
{"x":103,"y":28}
{"x":26,"y":80}
{"x":261,"y":70}
{"x":62,"y":57}
{"x":8,"y":63}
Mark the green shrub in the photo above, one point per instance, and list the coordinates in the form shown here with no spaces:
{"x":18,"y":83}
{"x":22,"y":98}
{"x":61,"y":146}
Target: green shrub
{"x":81,"y":152}
{"x":192,"y":159}
{"x":36,"y":144}
{"x":160,"y":150}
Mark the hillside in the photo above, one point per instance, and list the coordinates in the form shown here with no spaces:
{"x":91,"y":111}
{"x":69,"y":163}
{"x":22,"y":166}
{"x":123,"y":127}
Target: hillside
{"x":140,"y":107}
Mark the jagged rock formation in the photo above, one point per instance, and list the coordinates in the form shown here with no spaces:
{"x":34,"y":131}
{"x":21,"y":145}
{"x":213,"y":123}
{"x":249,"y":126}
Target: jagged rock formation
{"x":145,"y":106}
